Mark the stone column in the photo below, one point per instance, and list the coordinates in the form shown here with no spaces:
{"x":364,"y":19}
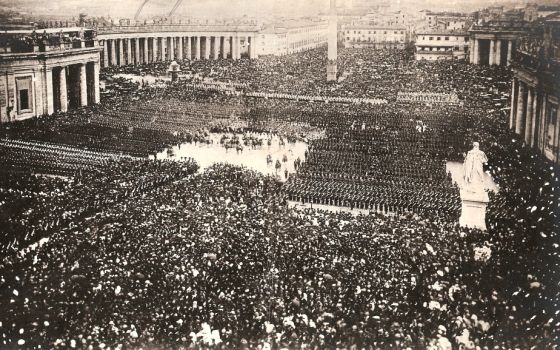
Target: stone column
{"x":492,"y":58}
{"x":250,"y":42}
{"x":197,"y":49}
{"x":471,"y":51}
{"x":180,"y":48}
{"x":63,"y":90}
{"x":514,"y":93}
{"x":155,"y":49}
{"x":164,"y":49}
{"x":207,"y":48}
{"x":253,"y":53}
{"x":520,"y":112}
{"x":534,"y":118}
{"x":236,"y":50}
{"x":121,"y":52}
{"x":128,"y":51}
{"x":529,"y":115}
{"x":476,"y":53}
{"x":113,"y":52}
{"x":146,"y":51}
{"x":238,"y":47}
{"x":223,"y":47}
{"x":171,"y":49}
{"x":498,"y":53}
{"x":49,"y":99}
{"x":542,"y":121}
{"x":510,"y":47}
{"x":189,"y":51}
{"x":137,"y":59}
{"x":557,"y":136}
{"x":106,"y":53}
{"x":216,"y":41}
{"x":83,"y":85}
{"x":96,"y":97}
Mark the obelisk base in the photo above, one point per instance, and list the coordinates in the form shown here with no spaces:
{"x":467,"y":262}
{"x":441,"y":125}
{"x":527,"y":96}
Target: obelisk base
{"x":331,"y":71}
{"x":473,"y":211}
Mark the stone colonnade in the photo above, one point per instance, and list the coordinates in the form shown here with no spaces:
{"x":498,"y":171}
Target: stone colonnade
{"x":71,"y":85}
{"x":528,"y":114}
{"x":491,"y":51}
{"x":147,"y":49}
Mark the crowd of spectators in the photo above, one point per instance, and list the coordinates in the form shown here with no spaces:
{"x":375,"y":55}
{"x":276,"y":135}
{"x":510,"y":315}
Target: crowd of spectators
{"x":34,"y":203}
{"x":218,"y":260}
{"x":167,"y":259}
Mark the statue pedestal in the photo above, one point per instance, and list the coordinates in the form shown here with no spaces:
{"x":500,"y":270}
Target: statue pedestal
{"x":473,"y":212}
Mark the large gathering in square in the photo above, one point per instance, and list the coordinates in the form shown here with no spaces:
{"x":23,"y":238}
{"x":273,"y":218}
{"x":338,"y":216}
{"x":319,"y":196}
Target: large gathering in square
{"x":369,"y":176}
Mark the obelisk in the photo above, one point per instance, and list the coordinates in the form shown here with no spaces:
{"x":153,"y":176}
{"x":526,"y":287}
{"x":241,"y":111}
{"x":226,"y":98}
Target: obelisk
{"x":333,"y":42}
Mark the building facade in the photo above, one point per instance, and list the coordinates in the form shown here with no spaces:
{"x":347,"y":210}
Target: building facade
{"x":287,"y":37}
{"x":446,"y":20}
{"x":363,"y":35}
{"x":535,"y":98}
{"x":55,"y":70}
{"x":535,"y":12}
{"x":441,"y":45}
{"x":493,"y":43}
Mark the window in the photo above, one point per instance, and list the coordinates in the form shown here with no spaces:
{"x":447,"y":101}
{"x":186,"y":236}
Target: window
{"x":24,"y":92}
{"x":23,"y":99}
{"x":447,"y":38}
{"x":431,"y":38}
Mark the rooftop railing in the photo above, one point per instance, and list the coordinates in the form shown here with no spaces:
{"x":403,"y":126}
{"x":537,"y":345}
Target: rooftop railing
{"x":24,"y":45}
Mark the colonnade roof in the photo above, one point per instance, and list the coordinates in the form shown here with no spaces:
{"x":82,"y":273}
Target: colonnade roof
{"x":55,"y":54}
{"x":501,"y":26}
{"x":47,"y":30}
{"x":177,"y":28}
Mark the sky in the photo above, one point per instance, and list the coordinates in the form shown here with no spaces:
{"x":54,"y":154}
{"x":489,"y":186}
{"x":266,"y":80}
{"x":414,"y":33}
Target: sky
{"x":225,"y":8}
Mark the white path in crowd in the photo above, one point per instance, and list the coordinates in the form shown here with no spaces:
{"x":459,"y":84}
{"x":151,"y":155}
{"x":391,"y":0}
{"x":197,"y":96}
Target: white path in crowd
{"x":210,"y":84}
{"x":253,"y":158}
{"x":148,"y":78}
{"x":330,"y":208}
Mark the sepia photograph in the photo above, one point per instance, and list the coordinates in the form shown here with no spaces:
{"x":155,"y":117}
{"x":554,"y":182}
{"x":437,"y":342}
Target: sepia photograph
{"x":280,"y":174}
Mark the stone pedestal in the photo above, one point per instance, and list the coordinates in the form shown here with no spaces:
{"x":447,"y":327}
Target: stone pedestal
{"x":331,"y":71}
{"x":473,"y":211}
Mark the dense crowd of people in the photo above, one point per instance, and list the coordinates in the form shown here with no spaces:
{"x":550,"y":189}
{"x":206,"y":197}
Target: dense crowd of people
{"x":218,"y":260}
{"x":33,"y":203}
{"x":138,"y":253}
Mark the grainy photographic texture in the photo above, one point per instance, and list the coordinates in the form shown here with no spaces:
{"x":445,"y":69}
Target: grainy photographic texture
{"x":295,"y":174}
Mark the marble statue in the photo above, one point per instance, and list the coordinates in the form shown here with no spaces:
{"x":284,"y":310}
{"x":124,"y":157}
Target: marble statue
{"x":473,"y":172}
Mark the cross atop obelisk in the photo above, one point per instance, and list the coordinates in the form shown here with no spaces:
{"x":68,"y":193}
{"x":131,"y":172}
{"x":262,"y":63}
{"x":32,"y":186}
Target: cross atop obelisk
{"x":333,"y":42}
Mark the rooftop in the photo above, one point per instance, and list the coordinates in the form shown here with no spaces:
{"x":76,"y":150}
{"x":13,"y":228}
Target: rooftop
{"x":47,"y":30}
{"x":443,"y":32}
{"x":284,"y":26}
{"x":373,"y":26}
